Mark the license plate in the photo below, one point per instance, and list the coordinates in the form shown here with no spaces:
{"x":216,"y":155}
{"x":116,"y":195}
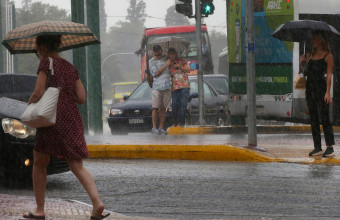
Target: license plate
{"x":136,"y":121}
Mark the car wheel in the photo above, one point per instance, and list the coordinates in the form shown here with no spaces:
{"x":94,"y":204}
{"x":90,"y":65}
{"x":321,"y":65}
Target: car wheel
{"x":118,"y":131}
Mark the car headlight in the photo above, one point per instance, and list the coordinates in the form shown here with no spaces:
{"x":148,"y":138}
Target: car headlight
{"x":116,"y":111}
{"x":17,"y":128}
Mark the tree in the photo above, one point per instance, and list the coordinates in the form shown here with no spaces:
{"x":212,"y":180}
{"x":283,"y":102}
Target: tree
{"x":26,"y":4}
{"x":173,"y":18}
{"x":136,"y":12}
{"x":39,"y":12}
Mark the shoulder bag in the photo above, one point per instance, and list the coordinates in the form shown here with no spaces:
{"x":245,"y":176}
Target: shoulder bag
{"x":44,"y":112}
{"x":300,"y":80}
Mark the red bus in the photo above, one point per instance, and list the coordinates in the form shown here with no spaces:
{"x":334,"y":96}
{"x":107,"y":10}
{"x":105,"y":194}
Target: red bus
{"x":189,"y":33}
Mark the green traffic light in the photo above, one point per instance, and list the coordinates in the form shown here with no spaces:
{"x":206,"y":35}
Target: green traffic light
{"x":207,"y":9}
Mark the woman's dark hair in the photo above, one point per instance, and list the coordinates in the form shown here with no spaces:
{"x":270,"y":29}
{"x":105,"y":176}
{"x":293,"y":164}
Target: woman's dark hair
{"x":52,"y":42}
{"x":323,"y":38}
{"x":172,"y":50}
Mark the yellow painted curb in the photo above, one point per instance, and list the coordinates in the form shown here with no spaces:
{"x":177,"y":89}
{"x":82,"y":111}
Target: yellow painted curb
{"x":189,"y":130}
{"x":230,"y":129}
{"x":179,"y":152}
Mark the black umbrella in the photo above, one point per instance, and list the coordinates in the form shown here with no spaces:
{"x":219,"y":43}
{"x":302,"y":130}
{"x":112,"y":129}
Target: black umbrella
{"x":300,"y":30}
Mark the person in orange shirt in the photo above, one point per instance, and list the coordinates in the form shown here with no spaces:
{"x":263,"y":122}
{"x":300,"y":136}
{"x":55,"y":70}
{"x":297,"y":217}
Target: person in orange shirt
{"x":180,"y":87}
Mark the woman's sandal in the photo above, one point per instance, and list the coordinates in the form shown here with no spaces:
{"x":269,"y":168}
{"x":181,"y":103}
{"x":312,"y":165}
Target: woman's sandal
{"x":101,"y":217}
{"x":32,"y":216}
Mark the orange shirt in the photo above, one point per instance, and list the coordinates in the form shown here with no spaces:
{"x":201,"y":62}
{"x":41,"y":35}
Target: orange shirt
{"x":178,"y":77}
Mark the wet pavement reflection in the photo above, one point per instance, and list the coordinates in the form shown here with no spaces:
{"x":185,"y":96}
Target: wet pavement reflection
{"x":178,"y":189}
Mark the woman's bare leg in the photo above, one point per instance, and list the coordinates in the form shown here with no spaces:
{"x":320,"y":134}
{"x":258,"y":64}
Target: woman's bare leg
{"x":86,"y":179}
{"x":39,"y":180}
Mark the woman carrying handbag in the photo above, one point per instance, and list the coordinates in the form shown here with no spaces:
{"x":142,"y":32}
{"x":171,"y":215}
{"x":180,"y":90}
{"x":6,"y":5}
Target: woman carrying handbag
{"x":319,"y":70}
{"x":65,"y":139}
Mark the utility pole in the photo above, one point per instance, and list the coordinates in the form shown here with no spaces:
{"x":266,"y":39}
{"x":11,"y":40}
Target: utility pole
{"x":200,"y":66}
{"x":1,"y":57}
{"x":250,"y":67}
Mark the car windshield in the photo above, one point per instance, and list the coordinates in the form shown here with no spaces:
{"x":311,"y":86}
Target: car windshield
{"x":219,"y":84}
{"x":194,"y":89}
{"x":142,"y":92}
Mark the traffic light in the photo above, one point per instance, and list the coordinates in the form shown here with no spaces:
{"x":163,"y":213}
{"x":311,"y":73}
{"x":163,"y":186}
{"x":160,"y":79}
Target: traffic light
{"x":184,"y":7}
{"x":207,"y":7}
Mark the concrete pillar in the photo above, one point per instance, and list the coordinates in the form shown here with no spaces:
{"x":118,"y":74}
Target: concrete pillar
{"x":94,"y":69}
{"x":79,"y":58}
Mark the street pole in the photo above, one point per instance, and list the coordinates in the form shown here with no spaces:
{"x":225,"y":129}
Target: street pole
{"x":1,"y":56}
{"x":250,"y":66}
{"x":199,"y":70}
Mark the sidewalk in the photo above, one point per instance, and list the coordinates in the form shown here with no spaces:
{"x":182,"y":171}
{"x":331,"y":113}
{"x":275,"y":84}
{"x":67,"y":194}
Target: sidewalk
{"x":13,"y":207}
{"x":192,"y":143}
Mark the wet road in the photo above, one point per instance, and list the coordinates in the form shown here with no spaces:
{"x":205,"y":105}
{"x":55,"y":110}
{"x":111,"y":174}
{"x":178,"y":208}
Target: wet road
{"x":192,"y":190}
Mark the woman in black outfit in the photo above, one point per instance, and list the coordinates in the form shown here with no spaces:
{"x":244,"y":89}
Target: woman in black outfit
{"x":319,"y":70}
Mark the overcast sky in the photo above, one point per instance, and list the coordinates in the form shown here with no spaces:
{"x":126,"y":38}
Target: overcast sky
{"x":117,"y":10}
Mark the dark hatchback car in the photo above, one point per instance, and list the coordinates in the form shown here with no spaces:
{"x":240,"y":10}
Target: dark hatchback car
{"x":17,"y":139}
{"x":135,"y":113}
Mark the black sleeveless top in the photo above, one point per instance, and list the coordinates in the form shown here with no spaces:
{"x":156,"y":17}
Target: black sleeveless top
{"x":315,"y":71}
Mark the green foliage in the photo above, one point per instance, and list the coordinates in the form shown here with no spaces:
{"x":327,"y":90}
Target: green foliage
{"x":39,"y":12}
{"x":136,"y":12}
{"x":173,"y":18}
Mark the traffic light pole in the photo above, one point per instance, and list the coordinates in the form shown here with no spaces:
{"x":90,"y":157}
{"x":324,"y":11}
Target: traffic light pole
{"x":250,"y":68}
{"x":1,"y":57}
{"x":199,"y":70}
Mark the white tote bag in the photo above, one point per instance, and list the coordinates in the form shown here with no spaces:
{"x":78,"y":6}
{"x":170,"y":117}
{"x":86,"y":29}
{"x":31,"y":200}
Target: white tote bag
{"x":44,"y":112}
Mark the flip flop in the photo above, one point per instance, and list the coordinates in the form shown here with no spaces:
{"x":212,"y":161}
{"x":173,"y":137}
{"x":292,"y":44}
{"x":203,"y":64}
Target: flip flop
{"x":101,"y":217}
{"x":32,"y":216}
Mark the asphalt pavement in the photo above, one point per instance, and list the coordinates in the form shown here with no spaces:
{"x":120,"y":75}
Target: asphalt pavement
{"x":274,"y":144}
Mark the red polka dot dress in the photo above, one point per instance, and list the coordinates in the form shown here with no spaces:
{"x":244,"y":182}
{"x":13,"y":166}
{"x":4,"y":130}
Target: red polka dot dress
{"x":66,"y":138}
